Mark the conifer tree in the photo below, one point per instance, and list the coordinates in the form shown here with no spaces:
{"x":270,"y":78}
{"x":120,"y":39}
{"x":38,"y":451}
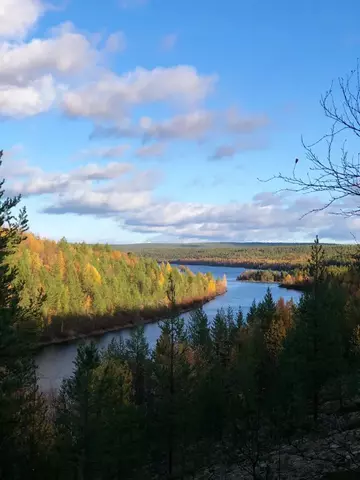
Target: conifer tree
{"x":137,"y":351}
{"x":20,"y":403}
{"x":75,"y":417}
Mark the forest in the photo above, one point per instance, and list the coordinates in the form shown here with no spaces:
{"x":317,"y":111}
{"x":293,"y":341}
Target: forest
{"x":86,"y":289}
{"x":253,"y":256}
{"x":270,"y":395}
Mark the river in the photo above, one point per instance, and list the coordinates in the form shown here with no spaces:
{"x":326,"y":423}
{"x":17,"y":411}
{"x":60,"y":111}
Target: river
{"x":55,"y":362}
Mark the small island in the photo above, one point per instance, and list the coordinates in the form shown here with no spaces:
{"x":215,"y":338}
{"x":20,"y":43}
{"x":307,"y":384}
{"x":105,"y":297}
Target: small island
{"x":294,"y":280}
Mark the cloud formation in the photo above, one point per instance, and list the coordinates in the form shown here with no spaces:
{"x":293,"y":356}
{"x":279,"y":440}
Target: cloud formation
{"x":128,"y":196}
{"x":34,"y":181}
{"x":111,"y":97}
{"x":189,"y":126}
{"x":18,"y":17}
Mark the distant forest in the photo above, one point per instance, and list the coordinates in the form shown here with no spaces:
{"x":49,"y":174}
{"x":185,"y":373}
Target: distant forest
{"x":260,"y":256}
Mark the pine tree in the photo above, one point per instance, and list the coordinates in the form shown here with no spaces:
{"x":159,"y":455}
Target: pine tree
{"x":251,"y":317}
{"x":266,"y":311}
{"x":314,"y":350}
{"x":198,"y":332}
{"x":137,"y":352}
{"x":75,"y":408}
{"x":19,"y":399}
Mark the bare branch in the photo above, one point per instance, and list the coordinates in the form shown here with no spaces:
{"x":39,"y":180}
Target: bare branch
{"x":336,"y":172}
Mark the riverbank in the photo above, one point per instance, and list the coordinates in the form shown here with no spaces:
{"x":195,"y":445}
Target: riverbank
{"x":124,"y":320}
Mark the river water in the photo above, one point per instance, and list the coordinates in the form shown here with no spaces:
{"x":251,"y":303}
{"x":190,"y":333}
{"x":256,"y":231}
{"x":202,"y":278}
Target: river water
{"x":55,"y":362}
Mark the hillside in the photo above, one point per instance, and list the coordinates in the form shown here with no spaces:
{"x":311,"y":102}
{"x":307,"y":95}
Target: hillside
{"x":109,"y":287}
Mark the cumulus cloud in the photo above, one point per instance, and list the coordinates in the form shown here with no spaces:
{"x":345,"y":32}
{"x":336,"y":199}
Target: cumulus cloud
{"x":38,"y":182}
{"x":66,"y":52}
{"x":168,"y":42}
{"x":111,"y":96}
{"x":18,"y":17}
{"x":34,"y":98}
{"x":35,"y":74}
{"x":153,"y":150}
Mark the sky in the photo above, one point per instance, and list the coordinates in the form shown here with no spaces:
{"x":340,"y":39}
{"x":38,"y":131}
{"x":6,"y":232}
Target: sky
{"x":157,"y":120}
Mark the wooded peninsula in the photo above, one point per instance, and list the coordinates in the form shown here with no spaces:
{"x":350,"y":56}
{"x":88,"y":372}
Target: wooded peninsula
{"x":93,"y":289}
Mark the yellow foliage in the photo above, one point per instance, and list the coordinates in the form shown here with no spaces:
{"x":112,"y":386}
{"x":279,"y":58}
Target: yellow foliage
{"x":212,"y":287}
{"x":168,"y":268}
{"x":161,"y":279}
{"x":94,"y":273}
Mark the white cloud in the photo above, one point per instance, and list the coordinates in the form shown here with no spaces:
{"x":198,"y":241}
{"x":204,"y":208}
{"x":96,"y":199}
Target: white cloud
{"x":34,"y":74}
{"x":126,"y":194}
{"x":38,"y":182}
{"x":65,"y":53}
{"x":189,"y":126}
{"x":34,"y":98}
{"x":110,"y":97}
{"x":265,"y":217}
{"x":18,"y":17}
{"x":93,"y":171}
{"x":168,"y":41}
{"x":153,"y":150}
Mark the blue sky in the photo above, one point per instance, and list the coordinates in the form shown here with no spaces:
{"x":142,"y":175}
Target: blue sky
{"x":153,"y":120}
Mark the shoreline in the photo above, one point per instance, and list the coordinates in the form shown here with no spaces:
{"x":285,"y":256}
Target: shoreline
{"x":131,"y":324}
